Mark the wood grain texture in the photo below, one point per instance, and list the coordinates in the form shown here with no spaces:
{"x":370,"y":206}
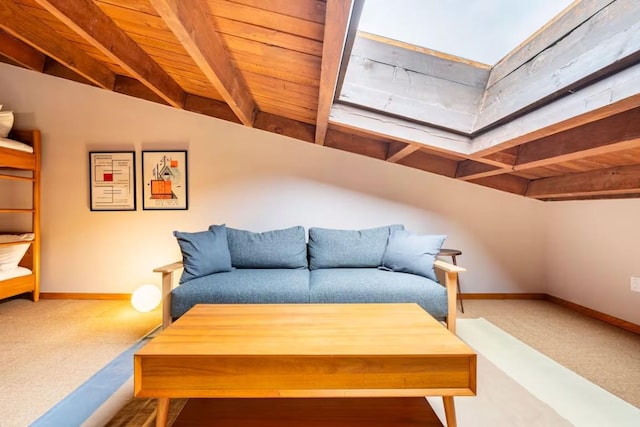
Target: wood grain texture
{"x":92,"y":24}
{"x":335,"y":32}
{"x":210,"y":107}
{"x":400,"y":81}
{"x":191,"y":24}
{"x":305,"y":350}
{"x":616,"y":180}
{"x":607,"y":97}
{"x":615,"y":133}
{"x":133,"y":87}
{"x":354,"y":412}
{"x":509,"y":183}
{"x":399,"y":129}
{"x":285,"y":126}
{"x":430,"y":163}
{"x":394,"y":156}
{"x":607,"y":42}
{"x":308,"y":10}
{"x":54,"y":68}
{"x":21,"y":52}
{"x":470,"y":169}
{"x":286,"y":21}
{"x":565,"y":22}
{"x":28,"y":29}
{"x":354,"y":142}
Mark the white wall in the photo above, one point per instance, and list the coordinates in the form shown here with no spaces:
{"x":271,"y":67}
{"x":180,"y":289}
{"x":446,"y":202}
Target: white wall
{"x":247,"y":179}
{"x":593,"y":247}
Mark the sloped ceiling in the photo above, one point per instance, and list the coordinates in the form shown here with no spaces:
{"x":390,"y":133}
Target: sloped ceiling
{"x":556,"y":119}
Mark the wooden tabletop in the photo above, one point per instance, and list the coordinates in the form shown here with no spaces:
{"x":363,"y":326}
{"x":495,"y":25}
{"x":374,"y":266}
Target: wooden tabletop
{"x":306,"y":329}
{"x":449,"y":252}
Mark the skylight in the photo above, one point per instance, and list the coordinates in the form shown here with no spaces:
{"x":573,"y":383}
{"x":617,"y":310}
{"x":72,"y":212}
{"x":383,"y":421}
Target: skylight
{"x":480,"y":30}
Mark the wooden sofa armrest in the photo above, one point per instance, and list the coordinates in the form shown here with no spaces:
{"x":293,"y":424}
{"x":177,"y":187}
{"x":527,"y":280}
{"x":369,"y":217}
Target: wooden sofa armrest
{"x":451,"y":283}
{"x":167,"y":285}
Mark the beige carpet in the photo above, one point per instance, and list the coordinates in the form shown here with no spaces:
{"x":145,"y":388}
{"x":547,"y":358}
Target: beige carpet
{"x":605,"y":355}
{"x":50,"y":347}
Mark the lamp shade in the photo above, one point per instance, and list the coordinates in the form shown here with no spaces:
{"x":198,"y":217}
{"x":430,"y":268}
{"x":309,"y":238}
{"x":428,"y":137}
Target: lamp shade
{"x":146,"y":298}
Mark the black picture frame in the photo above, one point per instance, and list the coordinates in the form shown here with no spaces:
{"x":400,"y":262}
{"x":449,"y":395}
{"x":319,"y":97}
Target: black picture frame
{"x":165,"y":180}
{"x":112,"y":181}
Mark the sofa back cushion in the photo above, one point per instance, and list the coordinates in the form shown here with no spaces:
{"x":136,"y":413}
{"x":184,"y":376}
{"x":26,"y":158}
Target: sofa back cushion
{"x":408,"y":252}
{"x":284,"y":248}
{"x":330,"y":248}
{"x":204,"y":252}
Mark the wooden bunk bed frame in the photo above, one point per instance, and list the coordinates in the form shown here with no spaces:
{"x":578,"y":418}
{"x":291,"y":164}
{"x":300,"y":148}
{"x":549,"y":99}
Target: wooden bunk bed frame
{"x":19,"y":160}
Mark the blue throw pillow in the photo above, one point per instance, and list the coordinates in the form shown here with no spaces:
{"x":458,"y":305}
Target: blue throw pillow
{"x":286,"y":248}
{"x":408,"y":252}
{"x":204,"y":252}
{"x":329,"y":248}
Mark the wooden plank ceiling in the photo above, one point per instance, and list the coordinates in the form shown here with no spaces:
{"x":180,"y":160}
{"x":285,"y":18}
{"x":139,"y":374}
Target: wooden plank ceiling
{"x":556,"y":119}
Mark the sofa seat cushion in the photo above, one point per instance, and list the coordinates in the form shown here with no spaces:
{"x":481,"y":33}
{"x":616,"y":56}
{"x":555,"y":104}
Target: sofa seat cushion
{"x":371,"y":285}
{"x":242,"y":286}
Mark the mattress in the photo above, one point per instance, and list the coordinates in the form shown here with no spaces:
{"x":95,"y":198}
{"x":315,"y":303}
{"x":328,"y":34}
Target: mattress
{"x":15,"y":145}
{"x":16,"y":272}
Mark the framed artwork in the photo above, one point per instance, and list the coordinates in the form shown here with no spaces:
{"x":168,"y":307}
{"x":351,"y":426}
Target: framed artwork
{"x":112,"y":178}
{"x":164,"y":180}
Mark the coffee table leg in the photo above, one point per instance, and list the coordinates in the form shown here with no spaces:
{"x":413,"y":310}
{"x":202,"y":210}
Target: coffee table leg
{"x":162,"y":412}
{"x":449,"y":411}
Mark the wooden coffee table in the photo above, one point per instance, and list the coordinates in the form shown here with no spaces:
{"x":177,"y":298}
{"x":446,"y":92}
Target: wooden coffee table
{"x":305,"y":350}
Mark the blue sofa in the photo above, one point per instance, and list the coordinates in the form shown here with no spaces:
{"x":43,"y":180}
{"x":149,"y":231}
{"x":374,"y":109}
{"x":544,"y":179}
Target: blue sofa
{"x":379,"y":265}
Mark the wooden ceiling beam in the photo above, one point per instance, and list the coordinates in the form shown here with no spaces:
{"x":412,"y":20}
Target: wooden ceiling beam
{"x":400,"y":130}
{"x":615,"y":133}
{"x":607,"y":97}
{"x":470,"y":169}
{"x":28,"y":29}
{"x":609,"y":181}
{"x":430,"y":163}
{"x":336,"y":25}
{"x":502,"y":159}
{"x":133,"y":87}
{"x":21,"y":53}
{"x":191,"y":23}
{"x":594,"y":197}
{"x":352,"y":32}
{"x":285,"y":126}
{"x":509,"y":183}
{"x":588,"y":52}
{"x":86,"y":19}
{"x":554,"y":30}
{"x":210,"y":107}
{"x":398,"y":153}
{"x":56,"y":69}
{"x":26,"y":56}
{"x":356,"y":142}
{"x":608,"y":135}
{"x":403,"y":80}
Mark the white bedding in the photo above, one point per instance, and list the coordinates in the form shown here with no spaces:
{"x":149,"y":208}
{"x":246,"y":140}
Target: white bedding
{"x":16,"y":272}
{"x":15,"y":145}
